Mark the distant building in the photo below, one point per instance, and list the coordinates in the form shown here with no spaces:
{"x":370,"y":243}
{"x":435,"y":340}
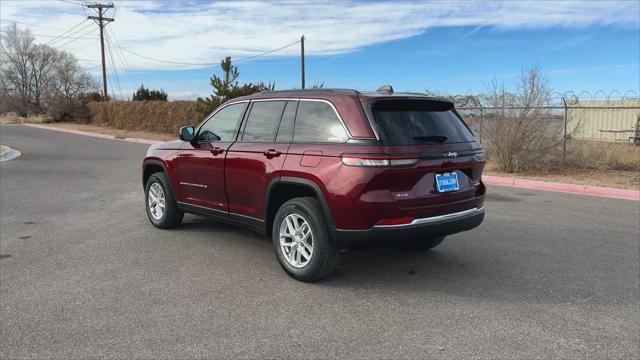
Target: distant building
{"x":603,"y":120}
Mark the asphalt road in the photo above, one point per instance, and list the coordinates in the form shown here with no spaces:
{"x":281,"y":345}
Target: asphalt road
{"x":84,"y":274}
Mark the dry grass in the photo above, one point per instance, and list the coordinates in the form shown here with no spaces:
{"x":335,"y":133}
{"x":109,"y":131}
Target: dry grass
{"x":13,"y":118}
{"x":155,"y":116}
{"x":600,"y":155}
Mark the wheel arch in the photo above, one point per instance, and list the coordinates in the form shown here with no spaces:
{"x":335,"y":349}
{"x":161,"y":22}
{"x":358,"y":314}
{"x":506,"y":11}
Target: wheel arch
{"x":285,"y":188}
{"x":152,"y":166}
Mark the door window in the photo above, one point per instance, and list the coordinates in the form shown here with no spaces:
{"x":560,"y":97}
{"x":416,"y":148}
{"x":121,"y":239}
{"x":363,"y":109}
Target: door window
{"x":223,"y":125}
{"x":285,"y":131}
{"x":263,"y":120}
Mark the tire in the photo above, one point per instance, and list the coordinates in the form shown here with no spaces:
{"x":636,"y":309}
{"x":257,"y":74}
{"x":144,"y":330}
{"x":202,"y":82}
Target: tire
{"x":171,"y":216}
{"x":422,"y":244}
{"x":319,"y":248}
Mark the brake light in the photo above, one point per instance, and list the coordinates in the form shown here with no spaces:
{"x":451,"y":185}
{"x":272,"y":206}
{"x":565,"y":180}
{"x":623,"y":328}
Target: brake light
{"x":365,"y":160}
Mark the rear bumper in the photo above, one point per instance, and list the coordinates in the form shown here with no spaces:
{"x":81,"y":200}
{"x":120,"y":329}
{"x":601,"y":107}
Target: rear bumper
{"x":423,"y":227}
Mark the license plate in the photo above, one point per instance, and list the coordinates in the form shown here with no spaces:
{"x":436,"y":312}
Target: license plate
{"x":447,"y":182}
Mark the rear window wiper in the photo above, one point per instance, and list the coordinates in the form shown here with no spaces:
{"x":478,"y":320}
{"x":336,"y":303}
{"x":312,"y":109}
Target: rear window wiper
{"x":432,"y":138}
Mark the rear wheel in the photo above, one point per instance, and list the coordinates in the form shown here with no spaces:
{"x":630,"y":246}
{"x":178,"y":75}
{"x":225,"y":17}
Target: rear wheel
{"x":161,"y":206}
{"x":422,"y":244}
{"x":302,"y":241}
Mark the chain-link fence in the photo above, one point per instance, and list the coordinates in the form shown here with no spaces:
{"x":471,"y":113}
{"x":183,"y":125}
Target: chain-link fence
{"x":589,"y":133}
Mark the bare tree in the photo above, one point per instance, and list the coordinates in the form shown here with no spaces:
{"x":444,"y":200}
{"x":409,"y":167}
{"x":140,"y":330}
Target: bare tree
{"x":520,"y":128}
{"x":16,"y":51}
{"x":42,"y":63}
{"x":70,"y":80}
{"x":36,"y":77}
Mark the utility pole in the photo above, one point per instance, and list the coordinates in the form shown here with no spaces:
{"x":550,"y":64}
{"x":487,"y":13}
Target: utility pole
{"x":102,"y":21}
{"x":302,"y":58}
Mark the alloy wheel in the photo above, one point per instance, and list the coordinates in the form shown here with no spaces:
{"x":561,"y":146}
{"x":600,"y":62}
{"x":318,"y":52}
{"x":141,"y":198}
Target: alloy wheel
{"x":156,"y":201}
{"x":296,"y":240}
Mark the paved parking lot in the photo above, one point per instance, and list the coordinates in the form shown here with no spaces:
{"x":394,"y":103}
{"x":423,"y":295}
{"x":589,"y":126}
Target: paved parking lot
{"x":84,"y":274}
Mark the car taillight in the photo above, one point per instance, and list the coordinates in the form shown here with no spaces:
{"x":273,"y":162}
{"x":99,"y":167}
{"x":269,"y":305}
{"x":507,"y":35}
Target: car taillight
{"x":377,"y":160}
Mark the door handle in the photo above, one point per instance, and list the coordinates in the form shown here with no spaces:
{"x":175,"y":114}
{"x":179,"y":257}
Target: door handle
{"x":216,"y":151}
{"x":271,"y":153}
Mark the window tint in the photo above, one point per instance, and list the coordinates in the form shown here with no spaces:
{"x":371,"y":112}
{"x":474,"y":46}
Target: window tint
{"x":317,"y":122}
{"x":413,"y":122}
{"x":285,"y":131}
{"x":263,"y":120}
{"x":222,"y":126}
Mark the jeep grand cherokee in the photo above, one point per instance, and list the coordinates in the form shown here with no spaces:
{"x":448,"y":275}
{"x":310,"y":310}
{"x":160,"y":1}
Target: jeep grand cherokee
{"x":323,"y":170}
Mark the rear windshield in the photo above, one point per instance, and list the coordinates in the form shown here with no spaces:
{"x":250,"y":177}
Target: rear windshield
{"x":418,"y":122}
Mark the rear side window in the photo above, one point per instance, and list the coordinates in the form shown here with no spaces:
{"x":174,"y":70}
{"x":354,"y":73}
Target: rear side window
{"x":418,"y":122}
{"x":263,"y":120}
{"x":285,"y":131}
{"x":317,"y":122}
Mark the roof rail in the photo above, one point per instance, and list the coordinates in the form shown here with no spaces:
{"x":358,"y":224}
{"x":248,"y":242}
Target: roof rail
{"x":336,"y":90}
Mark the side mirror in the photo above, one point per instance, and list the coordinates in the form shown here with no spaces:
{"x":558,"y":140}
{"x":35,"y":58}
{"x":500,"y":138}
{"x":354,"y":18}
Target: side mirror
{"x":187,"y":133}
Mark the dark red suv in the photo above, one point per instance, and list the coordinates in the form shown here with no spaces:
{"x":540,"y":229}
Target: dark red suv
{"x":323,"y":170}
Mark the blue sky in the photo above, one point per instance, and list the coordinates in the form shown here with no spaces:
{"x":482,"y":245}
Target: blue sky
{"x":445,"y":46}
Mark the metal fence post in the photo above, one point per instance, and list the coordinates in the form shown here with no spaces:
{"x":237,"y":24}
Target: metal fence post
{"x":481,"y":121}
{"x":564,"y":133}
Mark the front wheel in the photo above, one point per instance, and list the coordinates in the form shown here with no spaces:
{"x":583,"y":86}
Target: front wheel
{"x":161,"y":207}
{"x":302,"y":241}
{"x":422,"y":244}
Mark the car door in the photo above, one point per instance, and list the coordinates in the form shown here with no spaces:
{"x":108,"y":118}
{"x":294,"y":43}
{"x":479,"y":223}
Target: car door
{"x":257,"y":157}
{"x":200,"y":163}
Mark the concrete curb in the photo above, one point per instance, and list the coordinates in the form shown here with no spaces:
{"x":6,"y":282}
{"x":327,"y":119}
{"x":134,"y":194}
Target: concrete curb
{"x":95,"y":135}
{"x":9,"y":154}
{"x":561,"y":187}
{"x":488,"y":179}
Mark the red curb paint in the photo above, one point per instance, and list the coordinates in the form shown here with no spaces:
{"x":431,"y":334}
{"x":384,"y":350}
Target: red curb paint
{"x":101,"y":136}
{"x":498,"y":180}
{"x":561,"y":187}
{"x":77,"y":132}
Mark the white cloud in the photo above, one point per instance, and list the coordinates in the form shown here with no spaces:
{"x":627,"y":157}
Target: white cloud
{"x":199,"y":32}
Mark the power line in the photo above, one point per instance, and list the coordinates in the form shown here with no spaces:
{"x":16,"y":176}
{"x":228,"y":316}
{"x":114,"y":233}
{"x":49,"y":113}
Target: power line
{"x":164,"y":61}
{"x":64,"y":33}
{"x":34,"y":25}
{"x":64,"y":37}
{"x":90,"y":67}
{"x":73,"y":2}
{"x":125,"y":64}
{"x":78,"y":38}
{"x":113,"y":69}
{"x":207,"y":64}
{"x":83,"y":48}
{"x":88,"y":60}
{"x":266,"y":52}
{"x":79,"y":30}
